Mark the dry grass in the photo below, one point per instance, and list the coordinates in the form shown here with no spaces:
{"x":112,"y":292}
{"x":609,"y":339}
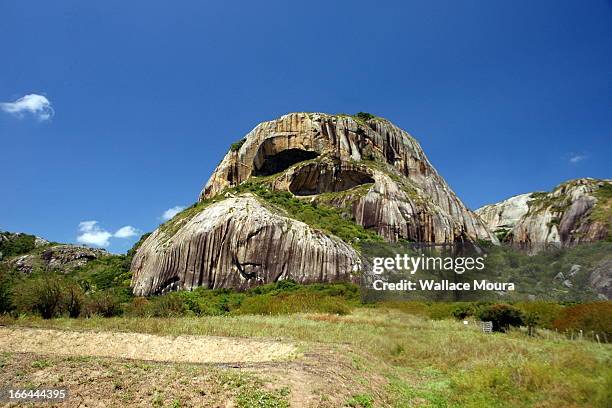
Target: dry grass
{"x":101,"y":382}
{"x":423,"y":362}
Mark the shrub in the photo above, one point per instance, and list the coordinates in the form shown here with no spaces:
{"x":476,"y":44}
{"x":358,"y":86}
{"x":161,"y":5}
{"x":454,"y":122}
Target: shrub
{"x":73,"y":299}
{"x":6,"y":281}
{"x":531,"y":320}
{"x":41,"y":295}
{"x":169,"y":305}
{"x":596,"y":317}
{"x":547,"y":312}
{"x":461,"y":312}
{"x":139,"y":306}
{"x":237,"y":145}
{"x":364,"y":116}
{"x":106,"y":303}
{"x":503,"y":316}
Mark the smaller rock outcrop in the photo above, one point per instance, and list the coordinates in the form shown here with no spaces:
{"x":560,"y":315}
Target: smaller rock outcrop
{"x":600,"y":279}
{"x":56,"y":258}
{"x":18,"y":243}
{"x":576,"y":211}
{"x":238,"y":243}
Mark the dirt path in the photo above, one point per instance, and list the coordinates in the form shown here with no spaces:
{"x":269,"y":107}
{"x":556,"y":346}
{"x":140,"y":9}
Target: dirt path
{"x":182,"y":349}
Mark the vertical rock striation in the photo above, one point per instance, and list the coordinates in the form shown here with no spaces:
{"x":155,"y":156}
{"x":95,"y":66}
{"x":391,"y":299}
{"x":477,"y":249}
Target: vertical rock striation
{"x":376,"y":174}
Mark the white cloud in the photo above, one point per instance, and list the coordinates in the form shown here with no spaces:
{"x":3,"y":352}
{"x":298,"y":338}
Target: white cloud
{"x":171,"y":212}
{"x":92,"y":234}
{"x":126,"y":232}
{"x":577,"y":158}
{"x":37,"y":105}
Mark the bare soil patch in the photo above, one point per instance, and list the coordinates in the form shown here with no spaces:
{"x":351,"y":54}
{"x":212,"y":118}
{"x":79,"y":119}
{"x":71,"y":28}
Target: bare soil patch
{"x":138,"y":346}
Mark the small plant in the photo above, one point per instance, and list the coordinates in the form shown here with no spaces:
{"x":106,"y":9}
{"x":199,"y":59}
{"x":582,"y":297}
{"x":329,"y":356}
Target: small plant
{"x":361,"y":401}
{"x":234,"y":147}
{"x":41,"y":364}
{"x":364,"y":116}
{"x":256,"y":398}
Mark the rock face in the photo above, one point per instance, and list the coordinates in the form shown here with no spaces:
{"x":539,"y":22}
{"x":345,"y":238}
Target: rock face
{"x":238,"y":243}
{"x":372,"y":171}
{"x":408,"y":199}
{"x":600,"y":279}
{"x":575,"y":211}
{"x":503,"y":216}
{"x":59,"y":258}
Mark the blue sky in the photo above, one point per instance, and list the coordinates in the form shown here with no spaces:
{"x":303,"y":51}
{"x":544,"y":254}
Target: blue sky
{"x":144,"y":98}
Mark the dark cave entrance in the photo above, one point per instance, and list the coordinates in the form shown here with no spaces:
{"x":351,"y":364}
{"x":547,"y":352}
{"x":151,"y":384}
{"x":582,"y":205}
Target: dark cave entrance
{"x":283,"y":160}
{"x":313,"y":179}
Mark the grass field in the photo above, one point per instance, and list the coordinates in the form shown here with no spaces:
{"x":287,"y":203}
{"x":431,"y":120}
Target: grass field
{"x":380,"y":357}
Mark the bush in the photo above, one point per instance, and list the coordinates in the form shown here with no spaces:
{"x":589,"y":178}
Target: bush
{"x":595,"y":317}
{"x":461,"y":312}
{"x":48,"y":296}
{"x":546,"y":312}
{"x":106,"y":303}
{"x":6,"y":281}
{"x":365,"y":116}
{"x":40,"y":295}
{"x":139,"y":307}
{"x":237,"y":145}
{"x":502,"y":316}
{"x":74,"y":299}
{"x":169,"y":305}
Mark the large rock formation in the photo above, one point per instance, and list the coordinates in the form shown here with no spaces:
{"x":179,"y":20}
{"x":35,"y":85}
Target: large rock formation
{"x":574,"y":212}
{"x":238,"y":243}
{"x":373,"y":173}
{"x":314,"y":153}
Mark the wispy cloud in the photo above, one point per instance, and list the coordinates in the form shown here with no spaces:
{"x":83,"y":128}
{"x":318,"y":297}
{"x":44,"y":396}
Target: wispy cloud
{"x":576,"y":158}
{"x":37,"y":105}
{"x":92,"y":234}
{"x":171,"y":212}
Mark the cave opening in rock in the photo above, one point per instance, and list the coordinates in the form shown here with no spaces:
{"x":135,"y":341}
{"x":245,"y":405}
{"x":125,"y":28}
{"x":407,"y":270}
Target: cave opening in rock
{"x":283,"y":160}
{"x":313,"y":179}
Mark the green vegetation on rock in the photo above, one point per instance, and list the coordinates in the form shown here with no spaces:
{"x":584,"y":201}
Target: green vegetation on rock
{"x":319,"y":216}
{"x":15,"y":244}
{"x":603,"y":208}
{"x":234,"y":147}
